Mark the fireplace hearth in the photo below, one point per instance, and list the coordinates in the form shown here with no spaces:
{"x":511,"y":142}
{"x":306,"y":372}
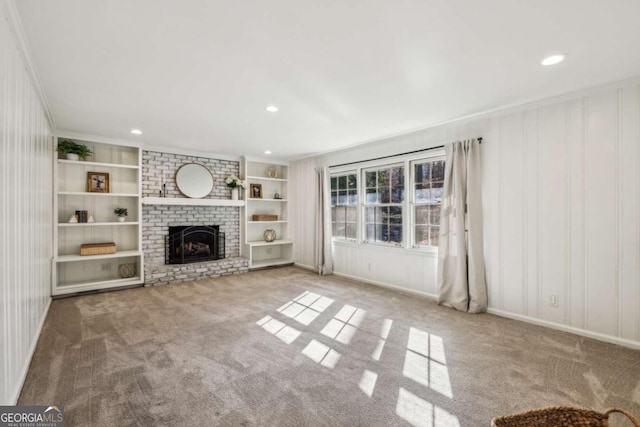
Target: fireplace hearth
{"x":198,"y":243}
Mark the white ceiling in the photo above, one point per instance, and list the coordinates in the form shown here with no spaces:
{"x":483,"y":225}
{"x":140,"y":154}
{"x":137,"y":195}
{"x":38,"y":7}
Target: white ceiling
{"x":197,"y":74}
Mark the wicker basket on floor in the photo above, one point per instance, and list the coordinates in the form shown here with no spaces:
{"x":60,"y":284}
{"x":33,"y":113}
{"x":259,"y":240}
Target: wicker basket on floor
{"x":560,"y":416}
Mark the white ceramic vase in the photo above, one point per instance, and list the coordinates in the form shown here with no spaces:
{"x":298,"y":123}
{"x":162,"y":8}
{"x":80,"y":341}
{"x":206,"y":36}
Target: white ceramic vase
{"x":121,"y":218}
{"x":234,"y":193}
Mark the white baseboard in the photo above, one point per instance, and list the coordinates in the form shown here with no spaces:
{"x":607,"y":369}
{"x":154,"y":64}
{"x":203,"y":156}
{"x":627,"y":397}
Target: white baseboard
{"x":305,"y":266}
{"x":27,"y":363}
{"x":388,"y":286}
{"x":571,"y":329}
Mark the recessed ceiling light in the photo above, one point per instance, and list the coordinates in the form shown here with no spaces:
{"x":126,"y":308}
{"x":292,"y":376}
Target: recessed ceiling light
{"x":267,"y":152}
{"x":553,"y":59}
{"x":136,"y":131}
{"x":272,"y":108}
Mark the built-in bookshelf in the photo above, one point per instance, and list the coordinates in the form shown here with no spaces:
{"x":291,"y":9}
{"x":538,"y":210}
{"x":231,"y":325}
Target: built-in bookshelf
{"x":73,"y":272}
{"x":272,"y":178}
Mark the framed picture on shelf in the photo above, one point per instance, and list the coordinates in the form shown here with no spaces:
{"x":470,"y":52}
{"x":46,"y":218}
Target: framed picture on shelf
{"x":255,"y":191}
{"x":97,"y":182}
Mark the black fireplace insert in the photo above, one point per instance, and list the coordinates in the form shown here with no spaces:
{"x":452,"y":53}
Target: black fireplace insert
{"x":198,"y":243}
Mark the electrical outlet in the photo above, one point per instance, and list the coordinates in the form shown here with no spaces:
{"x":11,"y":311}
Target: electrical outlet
{"x":106,"y":266}
{"x":553,"y":300}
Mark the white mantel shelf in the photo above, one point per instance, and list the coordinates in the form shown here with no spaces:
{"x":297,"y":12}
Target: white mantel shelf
{"x":180,"y":201}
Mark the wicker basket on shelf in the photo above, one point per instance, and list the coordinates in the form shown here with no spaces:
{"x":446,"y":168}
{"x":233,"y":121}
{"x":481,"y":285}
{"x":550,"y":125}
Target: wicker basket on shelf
{"x":561,"y":416}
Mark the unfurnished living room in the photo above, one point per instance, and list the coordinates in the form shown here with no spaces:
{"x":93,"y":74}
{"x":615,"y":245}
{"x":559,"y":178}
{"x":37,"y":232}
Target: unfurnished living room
{"x":304,"y":213}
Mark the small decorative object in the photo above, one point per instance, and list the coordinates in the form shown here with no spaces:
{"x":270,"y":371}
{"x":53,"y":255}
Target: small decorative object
{"x":98,"y":248}
{"x":272,"y":173}
{"x":264,"y":217}
{"x":256,"y":191}
{"x":127,"y":270}
{"x":97,"y":182}
{"x":73,"y":150}
{"x":90,"y":219}
{"x":235,"y":184}
{"x":82,"y":216}
{"x":73,"y":219}
{"x":269,"y":235}
{"x":121,"y":213}
{"x":277,"y":196}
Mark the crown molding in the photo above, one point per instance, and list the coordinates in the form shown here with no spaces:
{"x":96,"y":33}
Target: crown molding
{"x":16,"y":28}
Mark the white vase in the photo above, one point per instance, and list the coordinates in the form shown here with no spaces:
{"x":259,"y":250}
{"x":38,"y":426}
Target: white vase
{"x":234,"y":193}
{"x":72,"y":156}
{"x":121,"y":218}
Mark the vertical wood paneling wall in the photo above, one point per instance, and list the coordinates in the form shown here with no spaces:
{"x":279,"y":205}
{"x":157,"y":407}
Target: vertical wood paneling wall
{"x":25,"y":216}
{"x":561,"y":203}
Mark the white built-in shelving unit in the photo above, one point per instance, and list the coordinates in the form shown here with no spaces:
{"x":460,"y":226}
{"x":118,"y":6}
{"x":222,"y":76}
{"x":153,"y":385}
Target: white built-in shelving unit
{"x":263,"y":254}
{"x":71,"y":271}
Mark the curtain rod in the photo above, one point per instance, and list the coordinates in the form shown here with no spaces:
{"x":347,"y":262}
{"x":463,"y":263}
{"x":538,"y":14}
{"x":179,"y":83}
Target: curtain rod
{"x":395,"y":155}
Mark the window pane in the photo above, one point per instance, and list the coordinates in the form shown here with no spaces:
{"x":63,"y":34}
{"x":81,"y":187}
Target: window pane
{"x":352,"y":197}
{"x":333,"y":214}
{"x":422,"y":193}
{"x":437,"y":172}
{"x":382,"y":215}
{"x":395,"y":233}
{"x":382,"y":233}
{"x":385,"y":196}
{"x":340,"y":215}
{"x":397,"y":195}
{"x":421,"y":173}
{"x":352,"y":182}
{"x":370,"y":215}
{"x":372,"y":195}
{"x":370,"y":232}
{"x":334,"y":183}
{"x":352,"y":214}
{"x":340,"y":229}
{"x":342,"y":182}
{"x":383,"y":178}
{"x":334,"y":198}
{"x":421,"y":235}
{"x":333,"y":229}
{"x":397,"y":176}
{"x":422,"y":215}
{"x":434,"y":218}
{"x":350,"y":231}
{"x":342,"y":197}
{"x":434,"y":235}
{"x":371,"y":179}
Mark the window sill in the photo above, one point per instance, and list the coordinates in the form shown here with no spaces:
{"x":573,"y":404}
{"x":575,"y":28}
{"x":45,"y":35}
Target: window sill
{"x":426,"y":252}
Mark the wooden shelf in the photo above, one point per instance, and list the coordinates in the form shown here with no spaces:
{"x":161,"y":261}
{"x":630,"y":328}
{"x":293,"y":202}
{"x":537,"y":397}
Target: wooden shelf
{"x":119,"y":254}
{"x":274,"y":243}
{"x":96,"y":164}
{"x":260,"y":178}
{"x":270,"y":263}
{"x":86,"y":193}
{"x":74,"y":287}
{"x":179,"y":201}
{"x":95,"y":224}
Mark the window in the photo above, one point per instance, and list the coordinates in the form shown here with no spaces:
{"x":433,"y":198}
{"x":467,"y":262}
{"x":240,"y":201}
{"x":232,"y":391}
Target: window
{"x":428,"y":183}
{"x":384,"y":196}
{"x":344,"y":205}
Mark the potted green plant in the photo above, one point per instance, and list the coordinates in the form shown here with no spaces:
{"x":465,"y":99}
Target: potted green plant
{"x":121,"y":213}
{"x":73,"y":150}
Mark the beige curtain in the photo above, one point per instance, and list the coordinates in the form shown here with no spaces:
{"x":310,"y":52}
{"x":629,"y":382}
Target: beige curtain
{"x":323,"y":258}
{"x":461,"y":275}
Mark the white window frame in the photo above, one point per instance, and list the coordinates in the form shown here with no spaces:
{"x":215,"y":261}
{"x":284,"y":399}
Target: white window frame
{"x":413,"y":203}
{"x":366,"y":205}
{"x":408,"y":221}
{"x":357,"y":205}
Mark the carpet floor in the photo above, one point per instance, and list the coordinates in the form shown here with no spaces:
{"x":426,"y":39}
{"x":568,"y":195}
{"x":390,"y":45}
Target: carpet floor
{"x":285,"y":347}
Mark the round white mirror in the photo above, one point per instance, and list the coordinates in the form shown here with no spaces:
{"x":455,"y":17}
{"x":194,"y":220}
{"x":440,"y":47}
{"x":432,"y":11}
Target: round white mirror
{"x":194,"y":180}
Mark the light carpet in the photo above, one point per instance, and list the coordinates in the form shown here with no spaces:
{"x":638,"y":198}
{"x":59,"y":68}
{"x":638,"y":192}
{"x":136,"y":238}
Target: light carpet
{"x":285,"y":347}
